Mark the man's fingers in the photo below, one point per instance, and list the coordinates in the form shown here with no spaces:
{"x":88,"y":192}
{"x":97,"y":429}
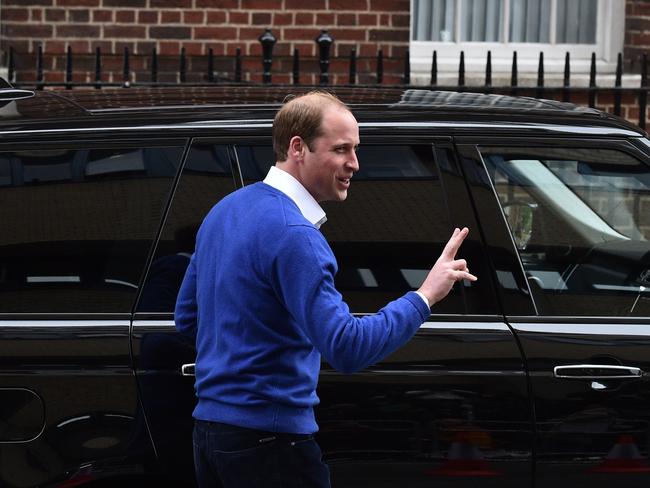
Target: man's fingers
{"x":454,"y":242}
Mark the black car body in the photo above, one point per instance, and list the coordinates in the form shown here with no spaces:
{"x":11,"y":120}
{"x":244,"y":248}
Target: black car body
{"x":535,"y":375}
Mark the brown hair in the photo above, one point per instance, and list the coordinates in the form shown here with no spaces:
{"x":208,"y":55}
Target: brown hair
{"x":301,"y":116}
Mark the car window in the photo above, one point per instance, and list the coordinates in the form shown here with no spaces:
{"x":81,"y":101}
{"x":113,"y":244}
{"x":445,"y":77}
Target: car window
{"x":76,"y":225}
{"x":390,"y":229}
{"x":580,"y":221}
{"x":205,"y":179}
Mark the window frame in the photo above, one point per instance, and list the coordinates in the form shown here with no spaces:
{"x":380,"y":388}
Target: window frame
{"x":610,"y":31}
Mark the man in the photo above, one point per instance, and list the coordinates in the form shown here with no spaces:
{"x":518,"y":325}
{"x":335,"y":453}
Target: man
{"x":259,"y":297}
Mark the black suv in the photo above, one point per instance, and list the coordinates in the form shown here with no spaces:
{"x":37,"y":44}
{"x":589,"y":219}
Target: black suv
{"x":535,"y":375}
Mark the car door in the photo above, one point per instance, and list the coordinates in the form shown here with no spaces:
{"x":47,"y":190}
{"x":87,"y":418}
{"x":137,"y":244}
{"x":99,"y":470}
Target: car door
{"x":451,"y":407}
{"x":77,"y":222}
{"x":163,"y":359}
{"x":577,"y":213}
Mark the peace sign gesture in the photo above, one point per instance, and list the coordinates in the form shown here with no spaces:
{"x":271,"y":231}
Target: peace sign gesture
{"x":447,"y":270}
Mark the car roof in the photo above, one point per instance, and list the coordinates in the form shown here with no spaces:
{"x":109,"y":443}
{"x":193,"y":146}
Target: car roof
{"x":232,"y":103}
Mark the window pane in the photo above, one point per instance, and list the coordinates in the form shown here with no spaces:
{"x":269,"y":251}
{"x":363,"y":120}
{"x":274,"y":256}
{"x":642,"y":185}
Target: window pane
{"x":576,"y":21}
{"x":391,"y":228}
{"x":76,"y":225}
{"x":206,"y":179}
{"x":433,"y":20}
{"x":581,"y":223}
{"x":529,"y":20}
{"x":481,"y":20}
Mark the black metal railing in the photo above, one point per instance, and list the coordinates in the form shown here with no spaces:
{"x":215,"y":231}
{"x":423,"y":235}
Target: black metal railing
{"x":324,"y":43}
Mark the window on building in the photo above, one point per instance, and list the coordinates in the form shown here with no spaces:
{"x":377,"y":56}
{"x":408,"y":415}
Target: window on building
{"x":555,"y":27}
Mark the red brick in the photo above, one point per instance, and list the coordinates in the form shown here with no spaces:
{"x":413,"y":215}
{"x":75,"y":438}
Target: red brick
{"x":81,"y":47}
{"x":17,"y":31}
{"x":54,"y":47}
{"x":305,"y":49}
{"x":641,"y":39}
{"x":171,"y":3}
{"x":343,"y":50}
{"x":234,"y":17}
{"x":217,"y":17}
{"x":125,"y":16}
{"x":217,"y":4}
{"x":300,"y":34}
{"x":170,"y":32}
{"x":305,"y":4}
{"x":384,"y":19}
{"x":642,"y":8}
{"x":124,"y":3}
{"x":27,"y":3}
{"x":170,"y":17}
{"x":125,"y":31}
{"x":282,"y":18}
{"x":357,"y":5}
{"x":104,"y":46}
{"x":367,"y":49}
{"x":79,"y":15}
{"x":304,"y":19}
{"x":346,"y":19}
{"x":368,"y":19}
{"x":400,"y":20}
{"x":261,"y":18}
{"x":77,"y":30}
{"x":249,"y":33}
{"x":51,"y":14}
{"x":194,"y":48}
{"x":77,"y":3}
{"x":390,"y":5}
{"x":145,"y":47}
{"x":215,"y":33}
{"x":349,"y":34}
{"x":325,"y":20}
{"x":217,"y":49}
{"x":398,"y":51}
{"x":193,"y":17}
{"x":147,"y":17}
{"x":262,"y":4}
{"x":168,"y":48}
{"x":231,"y":49}
{"x":15,"y":14}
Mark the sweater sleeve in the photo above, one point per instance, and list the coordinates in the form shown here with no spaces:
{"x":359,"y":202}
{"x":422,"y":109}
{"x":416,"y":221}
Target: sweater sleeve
{"x":305,"y":280}
{"x":185,"y":313}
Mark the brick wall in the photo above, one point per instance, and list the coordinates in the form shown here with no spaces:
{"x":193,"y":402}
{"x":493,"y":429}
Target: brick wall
{"x":197,"y":26}
{"x":637,"y":32}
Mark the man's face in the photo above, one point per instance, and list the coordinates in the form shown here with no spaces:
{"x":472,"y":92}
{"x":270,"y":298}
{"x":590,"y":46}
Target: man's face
{"x":332,"y":161}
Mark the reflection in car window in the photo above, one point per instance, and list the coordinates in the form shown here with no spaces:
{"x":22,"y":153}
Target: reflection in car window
{"x":76,"y":225}
{"x":391,"y":228}
{"x":206,"y":178}
{"x":580,"y":222}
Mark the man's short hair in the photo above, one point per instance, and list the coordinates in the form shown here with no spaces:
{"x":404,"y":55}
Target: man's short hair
{"x":302,"y":116}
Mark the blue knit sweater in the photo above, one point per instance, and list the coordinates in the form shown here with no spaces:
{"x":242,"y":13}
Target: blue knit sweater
{"x":259,"y":298}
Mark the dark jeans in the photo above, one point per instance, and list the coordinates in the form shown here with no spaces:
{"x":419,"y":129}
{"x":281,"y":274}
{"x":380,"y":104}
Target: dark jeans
{"x":247,"y":458}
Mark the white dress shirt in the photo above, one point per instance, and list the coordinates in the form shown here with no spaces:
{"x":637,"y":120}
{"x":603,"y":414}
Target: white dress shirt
{"x":308,"y":206}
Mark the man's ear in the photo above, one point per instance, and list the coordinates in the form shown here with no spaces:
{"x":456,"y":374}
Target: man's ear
{"x":297,"y":147}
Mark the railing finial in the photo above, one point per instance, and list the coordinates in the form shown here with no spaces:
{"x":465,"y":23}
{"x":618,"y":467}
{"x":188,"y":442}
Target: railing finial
{"x":268,"y":40}
{"x":324,"y":41}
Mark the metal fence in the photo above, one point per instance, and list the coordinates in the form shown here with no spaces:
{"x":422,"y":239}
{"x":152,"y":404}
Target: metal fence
{"x":324,"y":42}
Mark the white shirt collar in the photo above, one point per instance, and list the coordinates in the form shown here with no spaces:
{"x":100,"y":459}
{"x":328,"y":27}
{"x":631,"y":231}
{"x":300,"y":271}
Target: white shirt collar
{"x":291,"y":187}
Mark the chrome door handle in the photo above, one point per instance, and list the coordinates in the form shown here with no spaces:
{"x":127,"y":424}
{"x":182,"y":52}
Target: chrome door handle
{"x":188,"y":369}
{"x":596,"y":371}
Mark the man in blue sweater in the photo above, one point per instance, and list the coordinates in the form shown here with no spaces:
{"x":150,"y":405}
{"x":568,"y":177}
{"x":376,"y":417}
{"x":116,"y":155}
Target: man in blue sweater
{"x":259,"y":299}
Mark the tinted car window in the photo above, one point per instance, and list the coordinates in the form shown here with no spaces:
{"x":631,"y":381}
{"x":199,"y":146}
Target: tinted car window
{"x":77,"y":225}
{"x":579,"y":220}
{"x":391,"y":228}
{"x":206,"y":178}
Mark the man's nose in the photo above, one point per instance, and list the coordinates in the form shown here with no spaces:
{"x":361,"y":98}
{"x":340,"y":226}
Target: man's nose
{"x":354,"y":162}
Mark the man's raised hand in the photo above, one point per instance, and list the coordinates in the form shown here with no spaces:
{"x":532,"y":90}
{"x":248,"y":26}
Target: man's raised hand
{"x":447,"y":270}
